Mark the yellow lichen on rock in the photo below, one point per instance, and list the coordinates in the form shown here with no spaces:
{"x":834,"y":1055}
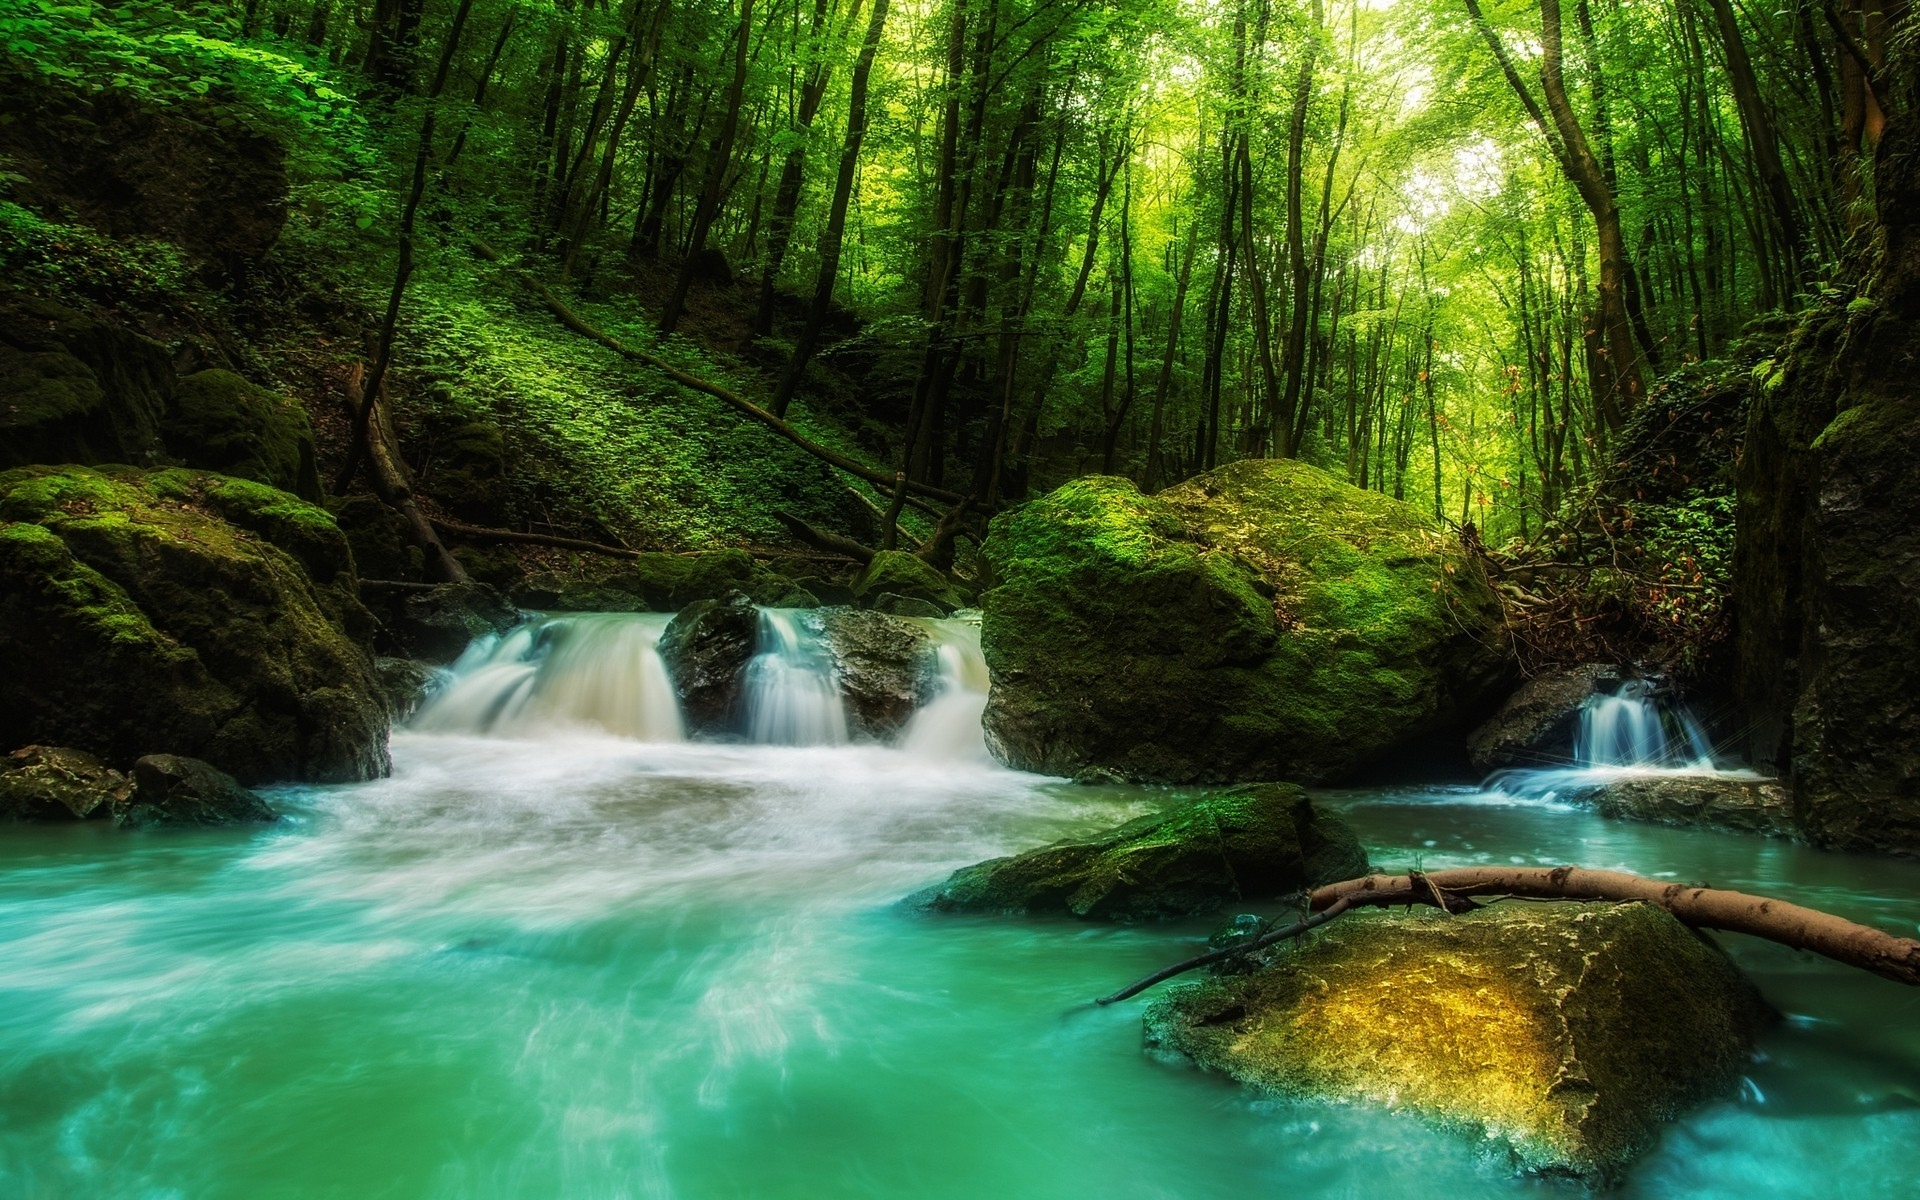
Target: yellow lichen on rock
{"x":1567,"y":1031}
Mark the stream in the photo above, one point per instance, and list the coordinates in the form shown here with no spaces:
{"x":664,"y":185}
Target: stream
{"x":562,"y":952}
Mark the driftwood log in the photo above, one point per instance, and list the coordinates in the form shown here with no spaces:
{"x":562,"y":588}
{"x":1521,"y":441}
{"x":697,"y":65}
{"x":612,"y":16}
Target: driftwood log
{"x":1843,"y":941}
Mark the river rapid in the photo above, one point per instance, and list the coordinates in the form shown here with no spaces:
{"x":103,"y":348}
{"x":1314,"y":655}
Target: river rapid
{"x":558,"y":962}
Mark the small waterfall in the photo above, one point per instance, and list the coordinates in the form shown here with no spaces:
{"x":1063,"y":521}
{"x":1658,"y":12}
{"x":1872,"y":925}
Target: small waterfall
{"x":583,"y":669}
{"x":792,"y":696}
{"x":948,"y":728}
{"x":1633,"y":729}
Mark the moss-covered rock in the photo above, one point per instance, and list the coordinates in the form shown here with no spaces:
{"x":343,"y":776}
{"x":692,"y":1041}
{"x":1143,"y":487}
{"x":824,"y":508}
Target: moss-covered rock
{"x":77,"y":389}
{"x":885,"y":666}
{"x":1261,"y":621}
{"x":1569,"y":1032}
{"x":1253,"y":842}
{"x":220,"y":422}
{"x":901,"y":576}
{"x":705,"y":649}
{"x":54,"y":783}
{"x":406,"y":684}
{"x":173,"y":790}
{"x":378,"y":537}
{"x":468,"y":470}
{"x":437,"y":625}
{"x":180,"y":611}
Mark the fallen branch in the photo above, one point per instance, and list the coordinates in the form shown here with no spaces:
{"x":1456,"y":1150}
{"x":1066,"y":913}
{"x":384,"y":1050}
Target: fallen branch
{"x":1312,"y":921}
{"x":391,"y":484}
{"x":1841,"y":940}
{"x":820,"y":539}
{"x":482,"y":533}
{"x":831,"y":457}
{"x":938,"y":550}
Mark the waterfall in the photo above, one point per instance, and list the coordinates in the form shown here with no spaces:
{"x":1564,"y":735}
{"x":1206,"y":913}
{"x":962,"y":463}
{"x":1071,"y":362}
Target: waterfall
{"x":948,"y":728}
{"x":792,"y":695}
{"x":1632,"y":729}
{"x":580,"y":669}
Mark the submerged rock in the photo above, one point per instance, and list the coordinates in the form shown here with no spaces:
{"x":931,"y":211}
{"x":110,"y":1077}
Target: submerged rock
{"x":1731,"y":802}
{"x":1536,"y":725}
{"x":177,"y":610}
{"x":1568,"y":1032}
{"x":171,"y":790}
{"x":705,"y":649}
{"x":1250,"y":843}
{"x":54,"y":783}
{"x":1261,"y":621}
{"x":884,"y":665}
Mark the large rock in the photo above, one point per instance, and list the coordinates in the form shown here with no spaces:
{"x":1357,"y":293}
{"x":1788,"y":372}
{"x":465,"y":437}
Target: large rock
{"x":1569,"y":1032}
{"x":219,"y":421}
{"x":1536,"y":725}
{"x":885,"y":665}
{"x":181,"y":612}
{"x":437,"y":624}
{"x":1731,"y":802}
{"x":74,"y":388}
{"x":172,"y":790}
{"x":1261,"y":621}
{"x":903,"y":583}
{"x":1250,"y":843}
{"x":53,"y":783}
{"x":1827,"y":559}
{"x":705,"y":649}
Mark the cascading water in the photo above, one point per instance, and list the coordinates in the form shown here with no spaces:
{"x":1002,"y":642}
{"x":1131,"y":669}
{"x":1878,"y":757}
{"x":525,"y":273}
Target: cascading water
{"x":1633,"y":729}
{"x":593,"y":670}
{"x":948,"y":727}
{"x":792,"y":697}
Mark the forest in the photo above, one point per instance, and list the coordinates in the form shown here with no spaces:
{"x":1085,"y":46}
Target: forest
{"x":618,"y":597}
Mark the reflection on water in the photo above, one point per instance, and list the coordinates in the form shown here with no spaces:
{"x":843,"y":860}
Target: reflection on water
{"x":595,"y":967}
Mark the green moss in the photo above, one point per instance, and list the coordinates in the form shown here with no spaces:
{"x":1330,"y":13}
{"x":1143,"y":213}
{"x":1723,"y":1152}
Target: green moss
{"x":1260,"y":621}
{"x":1568,"y":1032}
{"x":221,"y":422}
{"x":1251,"y":843}
{"x":897,"y":573}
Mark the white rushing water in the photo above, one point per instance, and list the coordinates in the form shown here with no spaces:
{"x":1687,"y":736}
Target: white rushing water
{"x":1634,"y":733}
{"x":792,"y":695}
{"x":948,"y":728}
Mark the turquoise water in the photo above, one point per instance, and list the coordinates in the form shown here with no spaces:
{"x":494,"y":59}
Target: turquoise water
{"x":585,"y":967}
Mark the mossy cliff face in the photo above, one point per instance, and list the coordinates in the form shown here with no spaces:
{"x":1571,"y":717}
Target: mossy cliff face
{"x":1569,"y":1032}
{"x":1250,"y":843}
{"x":1262,"y":621}
{"x":180,"y":612}
{"x":1827,"y":557}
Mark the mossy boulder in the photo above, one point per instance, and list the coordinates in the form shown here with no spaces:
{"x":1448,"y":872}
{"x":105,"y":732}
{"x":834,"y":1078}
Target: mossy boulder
{"x":55,"y":783}
{"x":170,"y":789}
{"x":468,"y":470}
{"x":74,"y":388}
{"x":705,"y":649}
{"x":437,"y":625}
{"x":661,"y":582}
{"x":406,"y":684}
{"x":885,"y":665}
{"x":895,"y":576}
{"x":183,"y":612}
{"x":220,"y":422}
{"x":1253,"y":842}
{"x":1568,"y":1032}
{"x":1262,"y":621}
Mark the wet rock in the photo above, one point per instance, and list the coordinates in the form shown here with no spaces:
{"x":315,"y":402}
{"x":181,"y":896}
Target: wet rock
{"x":896,"y":578}
{"x":1694,"y":800}
{"x":906,"y":606}
{"x":436,"y":625}
{"x":172,"y":790}
{"x":706,"y":648}
{"x":1568,"y":1032}
{"x":885,"y":666}
{"x":54,"y":783}
{"x":178,"y":610}
{"x":378,"y":537}
{"x":1262,"y":621}
{"x":1536,"y":724}
{"x":220,"y":422}
{"x":406,"y":684}
{"x":1252,"y":842}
